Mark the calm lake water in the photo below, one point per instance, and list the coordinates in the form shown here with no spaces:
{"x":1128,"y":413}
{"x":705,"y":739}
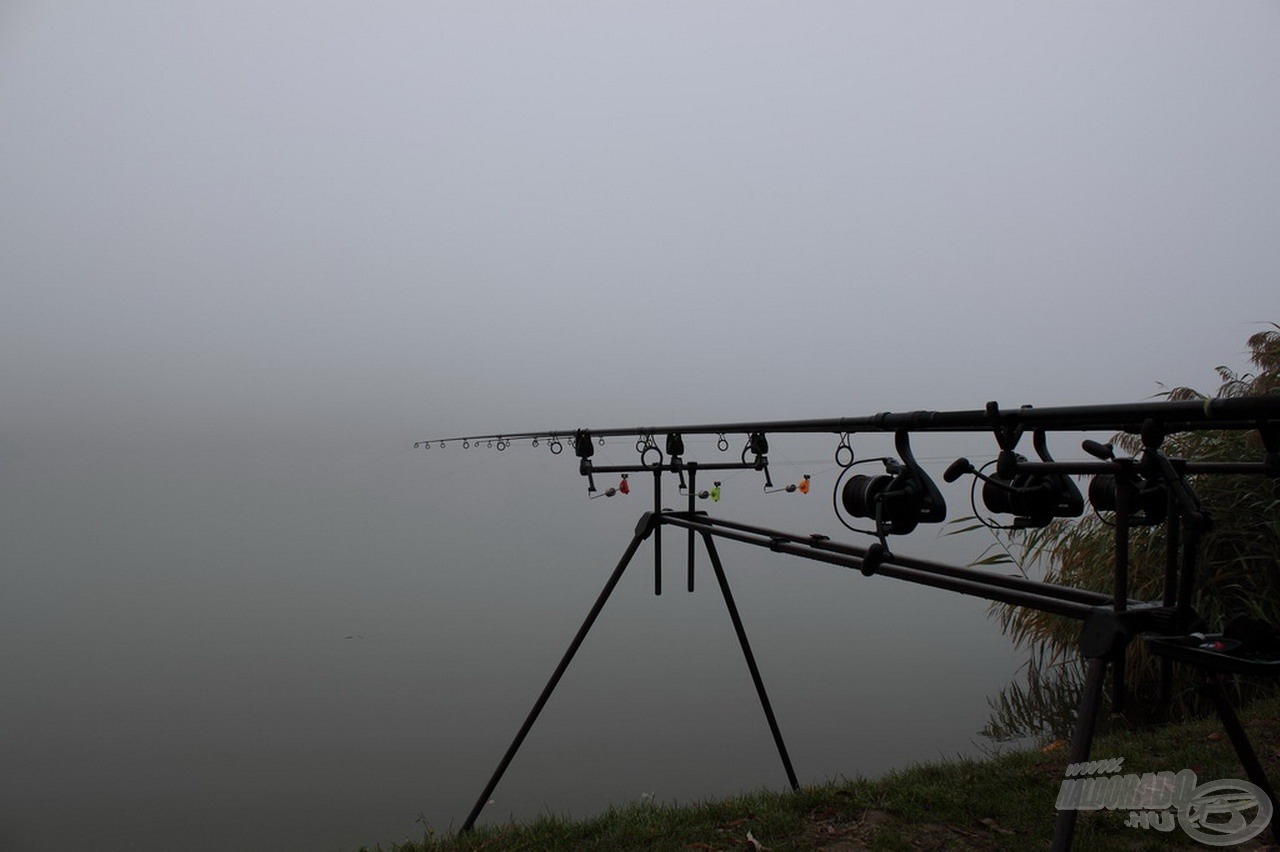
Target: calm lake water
{"x":292,"y":647}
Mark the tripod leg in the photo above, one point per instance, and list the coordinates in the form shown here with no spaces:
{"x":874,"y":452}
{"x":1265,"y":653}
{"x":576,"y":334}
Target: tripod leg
{"x":647,"y":523}
{"x":1081,"y":742}
{"x":1240,"y":740}
{"x":751,"y":660}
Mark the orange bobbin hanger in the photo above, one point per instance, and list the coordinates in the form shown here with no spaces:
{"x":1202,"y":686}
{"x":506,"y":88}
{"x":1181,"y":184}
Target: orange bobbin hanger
{"x":802,"y":486}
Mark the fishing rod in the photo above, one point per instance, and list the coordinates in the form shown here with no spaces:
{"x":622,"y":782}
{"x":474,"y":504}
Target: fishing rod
{"x":1148,"y":489}
{"x":903,"y":496}
{"x":1180,"y":416}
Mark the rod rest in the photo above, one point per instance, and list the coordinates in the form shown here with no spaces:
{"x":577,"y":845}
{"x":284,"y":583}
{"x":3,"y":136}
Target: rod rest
{"x":1247,"y":646}
{"x":1226,"y":662}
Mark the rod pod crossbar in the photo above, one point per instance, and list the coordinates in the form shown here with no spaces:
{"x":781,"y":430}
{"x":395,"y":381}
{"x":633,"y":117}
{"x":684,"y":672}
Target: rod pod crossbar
{"x":1063,"y":600}
{"x":1107,"y":626}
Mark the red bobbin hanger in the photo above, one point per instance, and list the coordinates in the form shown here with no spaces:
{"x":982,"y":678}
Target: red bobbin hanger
{"x":623,"y":487}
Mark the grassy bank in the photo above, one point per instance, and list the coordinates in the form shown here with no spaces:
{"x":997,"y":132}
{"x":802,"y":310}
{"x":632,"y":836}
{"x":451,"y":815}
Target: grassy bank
{"x":1003,"y":803}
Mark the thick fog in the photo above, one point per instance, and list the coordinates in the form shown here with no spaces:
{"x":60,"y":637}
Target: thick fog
{"x":251,"y":251}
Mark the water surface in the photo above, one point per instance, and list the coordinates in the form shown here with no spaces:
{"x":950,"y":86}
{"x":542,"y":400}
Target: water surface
{"x":276,"y":648}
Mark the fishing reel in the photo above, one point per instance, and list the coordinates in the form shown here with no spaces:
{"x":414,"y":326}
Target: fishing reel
{"x":1034,"y":498}
{"x":899,"y":499}
{"x":1148,"y":496}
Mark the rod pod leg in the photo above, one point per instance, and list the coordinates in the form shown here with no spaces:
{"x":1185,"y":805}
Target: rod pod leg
{"x":646,"y":525}
{"x":1081,"y":742}
{"x":751,"y":660}
{"x":1240,"y":741}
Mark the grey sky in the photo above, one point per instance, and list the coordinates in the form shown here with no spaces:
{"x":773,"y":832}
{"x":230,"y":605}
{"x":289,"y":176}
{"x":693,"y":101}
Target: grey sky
{"x":429,"y":217}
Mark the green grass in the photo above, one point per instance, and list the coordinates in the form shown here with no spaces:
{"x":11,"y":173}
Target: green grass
{"x":1006,"y":802}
